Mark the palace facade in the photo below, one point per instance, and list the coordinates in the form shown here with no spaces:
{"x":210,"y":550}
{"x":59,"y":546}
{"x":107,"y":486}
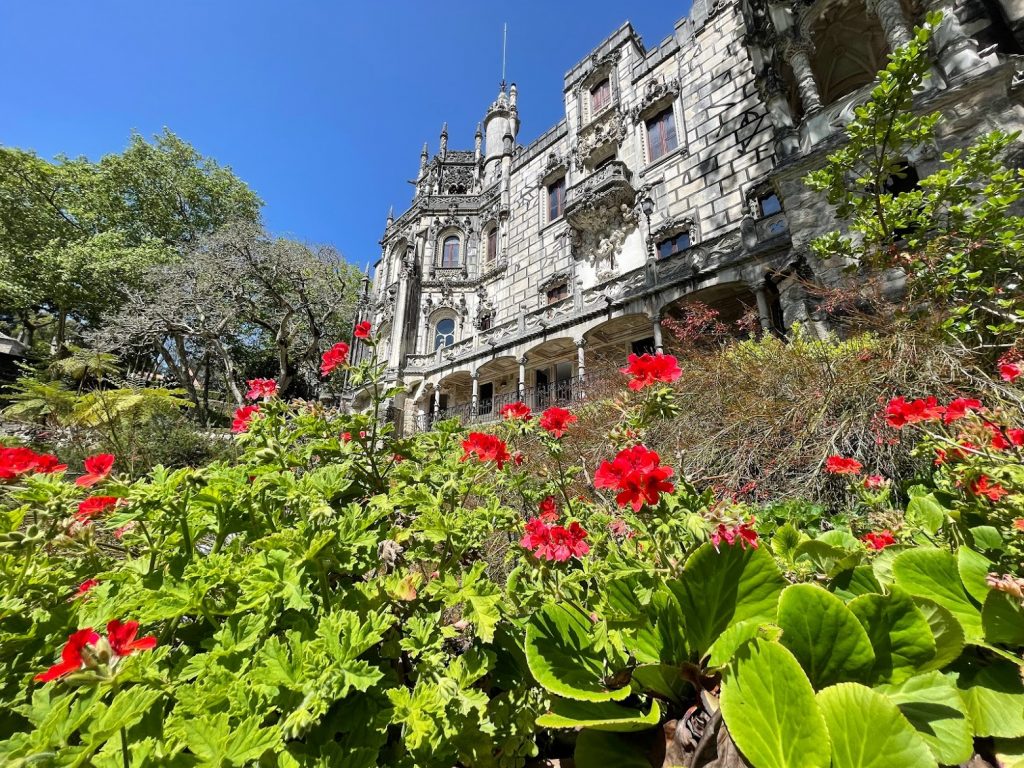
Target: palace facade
{"x":523,"y":272}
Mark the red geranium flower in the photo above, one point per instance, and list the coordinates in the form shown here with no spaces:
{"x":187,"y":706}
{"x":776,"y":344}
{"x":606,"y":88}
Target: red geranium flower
{"x":879,"y":540}
{"x":549,"y":510}
{"x":19,"y":461}
{"x":71,"y":656}
{"x":1010,"y":371}
{"x":515,"y":411}
{"x":96,"y":469}
{"x":998,"y":441}
{"x":741,"y":534}
{"x":1018,"y":523}
{"x":840,"y":465}
{"x":983,"y":486}
{"x":557,"y":420}
{"x":536,"y":534}
{"x":1016,"y":436}
{"x":243,"y":416}
{"x":85,"y":586}
{"x":565,"y":543}
{"x":47,"y":463}
{"x":871,"y":482}
{"x":334,"y":357}
{"x":637,"y":476}
{"x":261,"y":389}
{"x":362,"y":330}
{"x":486,"y":448}
{"x":122,"y":638}
{"x":94,"y":505}
{"x":518,"y":458}
{"x":646,"y":369}
{"x":959,"y":408}
{"x":899,"y":412}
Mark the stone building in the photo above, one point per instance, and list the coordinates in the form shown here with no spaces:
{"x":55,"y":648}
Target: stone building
{"x":675,"y":175}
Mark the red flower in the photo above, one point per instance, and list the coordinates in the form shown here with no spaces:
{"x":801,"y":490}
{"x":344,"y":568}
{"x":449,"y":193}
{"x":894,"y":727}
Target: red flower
{"x":636,"y":475}
{"x":879,"y":540}
{"x":122,"y":638}
{"x":486,"y":448}
{"x":261,"y":389}
{"x":741,"y":534}
{"x":334,"y":357}
{"x":1016,"y":437}
{"x":515,"y":411}
{"x":959,"y":408}
{"x":85,"y":586}
{"x":96,"y":469}
{"x":126,"y":528}
{"x":1018,"y":523}
{"x":999,"y":441}
{"x":70,"y":657}
{"x":362,"y":330}
{"x":93,"y":506}
{"x":899,"y":412}
{"x":993,"y":492}
{"x":537,"y":534}
{"x":346,"y":437}
{"x":19,"y":461}
{"x":549,"y":510}
{"x":243,"y":416}
{"x":840,"y":465}
{"x":871,"y":482}
{"x":565,"y":543}
{"x":646,"y":369}
{"x":518,"y":458}
{"x":557,"y":420}
{"x":1010,"y":371}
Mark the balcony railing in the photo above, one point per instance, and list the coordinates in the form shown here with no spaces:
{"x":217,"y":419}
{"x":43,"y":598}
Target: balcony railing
{"x":560,"y":393}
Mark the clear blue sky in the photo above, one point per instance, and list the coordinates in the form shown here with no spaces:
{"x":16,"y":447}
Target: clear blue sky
{"x":321,"y":106}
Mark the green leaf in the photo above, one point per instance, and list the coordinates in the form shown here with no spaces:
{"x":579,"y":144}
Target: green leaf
{"x":974,"y":568}
{"x":718,"y":589}
{"x":824,"y":635}
{"x":597,"y":749}
{"x":563,"y":657}
{"x":947,"y":632}
{"x":600,"y":716}
{"x":926,"y":512}
{"x":868,"y":731}
{"x":933,"y":706}
{"x":987,"y":538}
{"x":899,"y":633}
{"x":665,"y":680}
{"x":1002,"y":616}
{"x":660,"y":637}
{"x":769,"y":706}
{"x":994,"y":699}
{"x":723,"y":649}
{"x":933,"y":574}
{"x":855,"y":582}
{"x":1009,"y":753}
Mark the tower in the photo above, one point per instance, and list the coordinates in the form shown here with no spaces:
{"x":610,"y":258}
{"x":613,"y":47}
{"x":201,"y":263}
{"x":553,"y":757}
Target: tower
{"x":502,"y":119}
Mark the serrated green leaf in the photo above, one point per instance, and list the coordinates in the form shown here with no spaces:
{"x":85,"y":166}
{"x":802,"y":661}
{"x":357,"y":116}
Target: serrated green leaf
{"x":933,"y":574}
{"x":600,"y":716}
{"x":1002,"y":616}
{"x":994,"y":700}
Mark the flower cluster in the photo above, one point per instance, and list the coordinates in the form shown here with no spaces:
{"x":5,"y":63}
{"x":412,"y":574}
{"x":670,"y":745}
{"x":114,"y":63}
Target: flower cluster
{"x":840,"y":465}
{"x":517,"y":411}
{"x":333,"y":357}
{"x":261,"y":389}
{"x":899,"y":412}
{"x":243,"y":416}
{"x":556,"y":421}
{"x":555,"y":543}
{"x":741,"y":534}
{"x":486,"y":448}
{"x":647,"y":369}
{"x":637,"y":476}
{"x":1010,"y":371}
{"x":879,"y":540}
{"x":94,"y":505}
{"x":86,"y":649}
{"x":97,"y":469}
{"x":362,"y":330}
{"x":17,"y":461}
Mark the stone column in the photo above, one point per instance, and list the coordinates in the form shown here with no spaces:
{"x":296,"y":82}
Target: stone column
{"x":395,"y":350}
{"x":772,"y":92}
{"x":957,"y":53}
{"x":894,"y":24}
{"x":437,"y":399}
{"x":475,"y":407}
{"x":656,"y":328}
{"x":581,"y":361}
{"x":764,"y":313}
{"x":522,"y":377}
{"x":797,"y":53}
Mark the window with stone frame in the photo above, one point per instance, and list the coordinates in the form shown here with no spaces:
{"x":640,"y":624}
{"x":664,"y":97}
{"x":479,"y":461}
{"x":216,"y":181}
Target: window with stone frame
{"x":557,"y":292}
{"x":444,"y":333}
{"x":768,"y":204}
{"x":600,"y":97}
{"x":662,"y":136}
{"x":450,"y":252}
{"x":677,"y":243}
{"x":492,"y":245}
{"x":556,"y":199}
{"x":486,"y":321}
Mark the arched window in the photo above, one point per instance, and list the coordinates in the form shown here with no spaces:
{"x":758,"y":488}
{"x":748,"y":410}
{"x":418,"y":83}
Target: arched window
{"x":492,"y":245}
{"x":450,"y":252}
{"x":444,"y":333}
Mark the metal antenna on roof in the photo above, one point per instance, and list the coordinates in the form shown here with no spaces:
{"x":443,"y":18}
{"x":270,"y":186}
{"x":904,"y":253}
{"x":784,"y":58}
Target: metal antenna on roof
{"x":504,"y":51}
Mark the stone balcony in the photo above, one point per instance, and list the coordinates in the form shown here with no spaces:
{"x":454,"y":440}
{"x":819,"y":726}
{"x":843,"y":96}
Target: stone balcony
{"x":590,"y":204}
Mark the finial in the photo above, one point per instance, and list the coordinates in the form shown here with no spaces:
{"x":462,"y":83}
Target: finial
{"x":479,"y":130}
{"x":391,"y":215}
{"x":426,"y":152}
{"x":444,"y":130}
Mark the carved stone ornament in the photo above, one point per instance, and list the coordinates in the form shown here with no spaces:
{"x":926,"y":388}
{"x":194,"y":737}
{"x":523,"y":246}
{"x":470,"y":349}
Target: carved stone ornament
{"x":607,"y":130}
{"x":553,"y":282}
{"x":446,"y":300}
{"x":600,"y":66}
{"x":673,"y":227}
{"x":655,"y":91}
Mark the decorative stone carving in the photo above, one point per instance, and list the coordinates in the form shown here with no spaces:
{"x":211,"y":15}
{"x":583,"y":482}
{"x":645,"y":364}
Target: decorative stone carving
{"x":797,"y":49}
{"x":609,"y":129}
{"x":655,"y":92}
{"x":601,"y":212}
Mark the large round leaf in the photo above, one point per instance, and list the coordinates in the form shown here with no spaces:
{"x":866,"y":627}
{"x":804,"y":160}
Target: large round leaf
{"x":664,"y":680}
{"x":718,"y":589}
{"x":600,"y":716}
{"x":855,"y":582}
{"x":974,"y":568}
{"x":599,"y":749}
{"x":868,"y":731}
{"x":1002,"y":616}
{"x":947,"y":632}
{"x":824,"y":635}
{"x":563,"y":657}
{"x":994,"y":700}
{"x":932,"y":704}
{"x":769,"y":706}
{"x":899,"y":634}
{"x":933,"y":573}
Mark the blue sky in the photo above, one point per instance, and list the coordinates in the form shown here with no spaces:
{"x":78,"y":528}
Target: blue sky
{"x":322,"y":107}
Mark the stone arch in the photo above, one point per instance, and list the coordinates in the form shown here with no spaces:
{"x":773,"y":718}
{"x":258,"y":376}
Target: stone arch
{"x":609,"y":344}
{"x":733,"y":312}
{"x":849,"y":46}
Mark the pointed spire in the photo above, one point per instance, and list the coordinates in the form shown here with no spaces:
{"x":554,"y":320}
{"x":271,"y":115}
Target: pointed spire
{"x":391,"y":215}
{"x":444,"y":139}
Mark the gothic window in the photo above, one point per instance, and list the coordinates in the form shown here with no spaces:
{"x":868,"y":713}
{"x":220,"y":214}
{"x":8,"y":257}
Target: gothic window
{"x":556,"y":199}
{"x":849,"y":49}
{"x":661,"y":134}
{"x":492,"y":245}
{"x":450,"y":252}
{"x":768,"y":205}
{"x":444,"y":333}
{"x":600,"y":97}
{"x":672,"y":245}
{"x":557,"y":292}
